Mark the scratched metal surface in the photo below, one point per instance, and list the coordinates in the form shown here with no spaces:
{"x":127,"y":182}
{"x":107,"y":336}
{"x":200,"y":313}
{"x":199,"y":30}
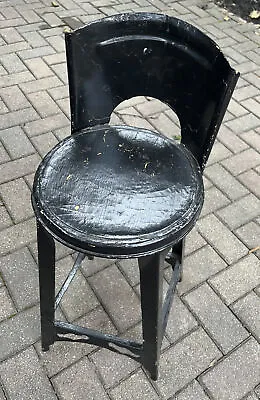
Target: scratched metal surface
{"x":122,"y":192}
{"x":120,"y":186}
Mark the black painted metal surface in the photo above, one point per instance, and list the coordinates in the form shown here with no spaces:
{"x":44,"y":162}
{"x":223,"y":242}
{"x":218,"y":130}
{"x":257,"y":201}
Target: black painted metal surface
{"x":124,"y":192}
{"x":119,"y":191}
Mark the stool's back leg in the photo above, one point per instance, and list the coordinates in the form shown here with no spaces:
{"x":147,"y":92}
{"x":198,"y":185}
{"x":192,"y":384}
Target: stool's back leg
{"x":46,"y":261}
{"x":151,"y":281}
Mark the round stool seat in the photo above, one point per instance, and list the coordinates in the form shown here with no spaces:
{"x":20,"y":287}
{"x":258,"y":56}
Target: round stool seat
{"x":118,"y":191}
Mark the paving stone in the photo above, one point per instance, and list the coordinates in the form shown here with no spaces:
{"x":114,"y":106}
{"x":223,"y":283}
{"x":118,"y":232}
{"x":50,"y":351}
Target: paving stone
{"x":40,"y":84}
{"x":43,"y":104}
{"x":219,"y":152}
{"x":64,"y":106}
{"x":180,"y":321}
{"x":17,"y":236}
{"x":52,"y":19}
{"x":79,"y":381}
{"x":60,"y":92}
{"x":17,"y":197}
{"x":247,"y":310}
{"x":217,"y":319}
{"x":252,"y":105}
{"x":5,"y":219}
{"x":79,"y":298}
{"x":19,"y":117}
{"x":63,"y":354}
{"x":240,"y":212}
{"x":220,"y":237}
{"x":165,"y":125}
{"x":252,"y":138}
{"x":198,"y":267}
{"x":242,"y":366}
{"x":12,"y":63}
{"x":16,"y":78}
{"x":18,"y":332}
{"x":3,"y":108}
{"x":214,"y":200}
{"x":47,"y":124}
{"x":238,"y":279}
{"x":131,"y":270}
{"x":44,"y":143}
{"x":225,"y":181}
{"x":20,"y":273}
{"x":6,"y":305}
{"x":14,"y":98}
{"x":15,"y":135}
{"x":24,"y":378}
{"x":193,"y":392}
{"x":4,"y":156}
{"x":243,"y":123}
{"x":11,"y":35}
{"x":38,"y":67}
{"x":231,"y":140}
{"x":242,"y":161}
{"x":137,"y":387}
{"x":113,"y":367}
{"x":184,"y":361}
{"x":137,"y":122}
{"x":245,"y":93}
{"x":251,"y":180}
{"x":151,"y":107}
{"x":193,"y":241}
{"x":55,"y":58}
{"x":90,"y":267}
{"x":15,"y":169}
{"x":109,"y":285}
{"x":249,"y":234}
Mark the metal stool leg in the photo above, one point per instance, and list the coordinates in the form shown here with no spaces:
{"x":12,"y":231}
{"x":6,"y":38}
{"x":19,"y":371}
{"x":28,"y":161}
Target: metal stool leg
{"x":178,"y":252}
{"x":46,"y":261}
{"x":151,"y":280}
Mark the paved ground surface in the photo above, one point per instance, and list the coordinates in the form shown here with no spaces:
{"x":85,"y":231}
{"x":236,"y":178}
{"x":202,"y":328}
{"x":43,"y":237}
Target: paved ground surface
{"x":211,"y":350}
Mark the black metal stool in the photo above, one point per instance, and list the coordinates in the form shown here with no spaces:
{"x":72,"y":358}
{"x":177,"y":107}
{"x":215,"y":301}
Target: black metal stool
{"x":122,"y":192}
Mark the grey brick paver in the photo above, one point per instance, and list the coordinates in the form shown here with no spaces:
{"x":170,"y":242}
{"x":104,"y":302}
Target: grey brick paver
{"x":247,"y":309}
{"x":238,"y":279}
{"x":6,"y":305}
{"x":184,"y":361}
{"x":193,"y":392}
{"x":110,"y":285}
{"x":221,"y":238}
{"x":199,"y":266}
{"x":17,"y":168}
{"x":79,"y":382}
{"x":249,"y":234}
{"x":225,"y":181}
{"x":251,"y":180}
{"x":242,"y":162}
{"x":17,"y":197}
{"x":16,"y":142}
{"x":134,"y":388}
{"x":235,"y":376}
{"x":214,"y":199}
{"x":240,"y":212}
{"x":20,"y":274}
{"x":17,"y":236}
{"x":24,"y":378}
{"x":112,"y":366}
{"x":5,"y":219}
{"x":18,"y":332}
{"x":219,"y":321}
{"x":14,"y":98}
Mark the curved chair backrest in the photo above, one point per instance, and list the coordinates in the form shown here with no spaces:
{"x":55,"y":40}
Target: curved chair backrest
{"x":155,"y":55}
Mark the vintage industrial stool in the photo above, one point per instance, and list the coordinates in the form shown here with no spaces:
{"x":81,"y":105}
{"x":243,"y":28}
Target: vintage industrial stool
{"x":125,"y":192}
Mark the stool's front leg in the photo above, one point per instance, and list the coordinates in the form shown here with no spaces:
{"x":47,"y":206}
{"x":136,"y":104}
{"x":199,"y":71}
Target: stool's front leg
{"x":46,"y":261}
{"x":151,"y":281}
